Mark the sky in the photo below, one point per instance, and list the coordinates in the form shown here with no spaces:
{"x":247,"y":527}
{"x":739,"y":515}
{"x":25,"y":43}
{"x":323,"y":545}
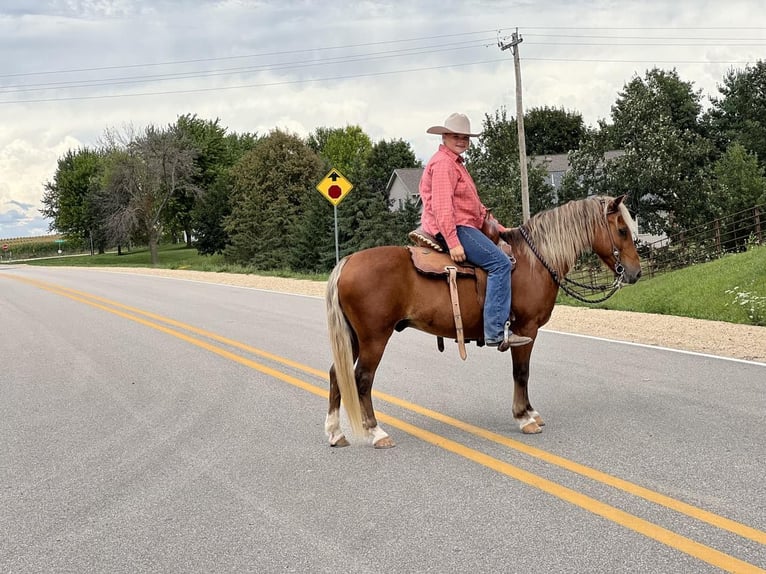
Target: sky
{"x":72,"y":69}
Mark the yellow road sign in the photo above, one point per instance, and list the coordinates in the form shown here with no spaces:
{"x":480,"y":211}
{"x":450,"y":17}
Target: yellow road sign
{"x":334,"y":186}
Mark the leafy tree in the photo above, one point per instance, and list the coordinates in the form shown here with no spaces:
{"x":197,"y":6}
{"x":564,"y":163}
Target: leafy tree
{"x":214,"y":203}
{"x":272,"y":184}
{"x":206,"y":138}
{"x":739,"y":182}
{"x":739,"y":115}
{"x":656,"y":125}
{"x":70,"y":199}
{"x":141,"y":178}
{"x":552,"y":131}
{"x":347,"y":150}
{"x":494,"y":165}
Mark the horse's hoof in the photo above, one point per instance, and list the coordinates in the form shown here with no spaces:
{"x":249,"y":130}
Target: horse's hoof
{"x":342,"y":441}
{"x":385,"y":442}
{"x":531,"y":428}
{"x":539,"y":420}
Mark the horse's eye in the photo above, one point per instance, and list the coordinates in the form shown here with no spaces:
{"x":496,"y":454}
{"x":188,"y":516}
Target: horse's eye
{"x":623,"y":232}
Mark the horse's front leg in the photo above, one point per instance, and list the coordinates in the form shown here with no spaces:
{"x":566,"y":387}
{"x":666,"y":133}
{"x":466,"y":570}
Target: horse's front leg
{"x":528,"y":419}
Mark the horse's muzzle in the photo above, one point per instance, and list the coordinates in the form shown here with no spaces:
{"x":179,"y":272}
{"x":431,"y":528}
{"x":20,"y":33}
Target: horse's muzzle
{"x":631,"y":276}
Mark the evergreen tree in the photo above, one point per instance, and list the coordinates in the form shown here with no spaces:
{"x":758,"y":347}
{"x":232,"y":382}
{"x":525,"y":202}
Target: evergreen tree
{"x":214,"y":204}
{"x":739,"y":115}
{"x":272,"y":184}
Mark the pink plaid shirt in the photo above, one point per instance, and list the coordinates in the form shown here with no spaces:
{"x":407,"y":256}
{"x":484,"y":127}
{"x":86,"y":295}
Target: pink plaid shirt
{"x":449,"y":197}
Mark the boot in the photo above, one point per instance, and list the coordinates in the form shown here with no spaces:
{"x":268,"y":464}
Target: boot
{"x":510,"y":339}
{"x":513,"y":340}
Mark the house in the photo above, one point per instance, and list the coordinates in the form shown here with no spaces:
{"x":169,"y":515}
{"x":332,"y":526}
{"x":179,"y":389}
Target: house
{"x":402,"y":186}
{"x":558,"y":164}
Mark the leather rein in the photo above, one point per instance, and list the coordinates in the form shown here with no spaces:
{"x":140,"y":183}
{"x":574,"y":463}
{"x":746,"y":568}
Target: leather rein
{"x":564,"y":282}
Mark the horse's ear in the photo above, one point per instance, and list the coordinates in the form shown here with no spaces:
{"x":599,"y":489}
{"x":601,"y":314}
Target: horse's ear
{"x":615,"y":205}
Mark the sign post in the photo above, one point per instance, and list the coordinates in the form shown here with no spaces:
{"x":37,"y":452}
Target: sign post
{"x":335,"y":187}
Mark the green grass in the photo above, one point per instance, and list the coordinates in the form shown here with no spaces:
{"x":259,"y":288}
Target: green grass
{"x":731,"y":289}
{"x":704,"y":291}
{"x":171,"y":257}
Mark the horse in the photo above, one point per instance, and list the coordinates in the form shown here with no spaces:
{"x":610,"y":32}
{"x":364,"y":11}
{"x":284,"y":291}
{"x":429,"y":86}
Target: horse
{"x":376,"y":291}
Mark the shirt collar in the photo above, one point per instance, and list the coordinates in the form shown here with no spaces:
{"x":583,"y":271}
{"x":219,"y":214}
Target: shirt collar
{"x":451,"y":154}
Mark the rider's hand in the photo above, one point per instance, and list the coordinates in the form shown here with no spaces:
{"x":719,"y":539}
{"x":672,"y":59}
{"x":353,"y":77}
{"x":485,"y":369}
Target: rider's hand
{"x":457,"y":254}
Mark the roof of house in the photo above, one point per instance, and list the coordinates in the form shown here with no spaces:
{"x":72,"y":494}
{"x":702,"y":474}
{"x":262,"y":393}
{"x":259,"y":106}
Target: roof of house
{"x":410,"y":178}
{"x":560,"y":162}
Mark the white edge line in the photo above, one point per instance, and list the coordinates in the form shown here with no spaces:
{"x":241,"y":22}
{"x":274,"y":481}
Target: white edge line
{"x":658,"y":347}
{"x":642,"y":345}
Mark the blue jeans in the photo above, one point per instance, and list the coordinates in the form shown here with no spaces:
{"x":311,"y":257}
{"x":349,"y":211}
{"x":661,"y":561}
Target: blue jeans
{"x":480,"y":251}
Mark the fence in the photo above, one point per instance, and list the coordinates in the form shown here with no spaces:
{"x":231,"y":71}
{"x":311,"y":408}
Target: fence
{"x":730,"y":234}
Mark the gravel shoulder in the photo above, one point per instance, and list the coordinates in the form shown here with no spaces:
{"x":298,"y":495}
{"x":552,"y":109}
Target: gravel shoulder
{"x":711,"y":337}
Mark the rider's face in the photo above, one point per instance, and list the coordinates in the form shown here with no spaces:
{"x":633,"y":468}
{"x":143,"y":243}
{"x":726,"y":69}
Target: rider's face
{"x":456,"y":143}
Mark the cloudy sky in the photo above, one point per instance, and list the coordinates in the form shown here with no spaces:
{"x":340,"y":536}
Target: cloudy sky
{"x":72,"y":68}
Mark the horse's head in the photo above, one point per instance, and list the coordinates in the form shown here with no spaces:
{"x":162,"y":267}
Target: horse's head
{"x":615,"y":244}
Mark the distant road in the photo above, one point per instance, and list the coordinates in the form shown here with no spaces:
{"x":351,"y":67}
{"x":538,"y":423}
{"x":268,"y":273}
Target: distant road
{"x":158,"y":425}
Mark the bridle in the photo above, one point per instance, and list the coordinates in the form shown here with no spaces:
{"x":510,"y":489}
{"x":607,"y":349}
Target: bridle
{"x":564,"y":283}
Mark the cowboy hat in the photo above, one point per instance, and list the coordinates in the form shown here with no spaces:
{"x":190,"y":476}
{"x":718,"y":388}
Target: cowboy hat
{"x":454,"y":124}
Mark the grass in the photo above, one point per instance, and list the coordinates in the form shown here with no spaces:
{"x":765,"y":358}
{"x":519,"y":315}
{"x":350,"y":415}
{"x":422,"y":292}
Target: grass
{"x":176,"y":256}
{"x":731,"y":289}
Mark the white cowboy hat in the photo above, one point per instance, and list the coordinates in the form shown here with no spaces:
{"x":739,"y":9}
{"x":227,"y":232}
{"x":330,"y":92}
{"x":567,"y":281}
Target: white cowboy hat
{"x":454,"y":124}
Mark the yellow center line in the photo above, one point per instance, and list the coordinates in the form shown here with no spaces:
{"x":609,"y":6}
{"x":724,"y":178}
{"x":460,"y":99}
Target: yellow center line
{"x":705,"y":516}
{"x":653,"y":531}
{"x":648,"y":529}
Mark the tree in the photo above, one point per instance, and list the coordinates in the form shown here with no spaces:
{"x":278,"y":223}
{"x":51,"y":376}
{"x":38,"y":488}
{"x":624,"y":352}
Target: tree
{"x":552,"y":131}
{"x":739,"y":115}
{"x":494,"y":165}
{"x":378,"y":225}
{"x":655,"y":122}
{"x":216,"y":181}
{"x":347,"y":150}
{"x":737,"y":186}
{"x":142,"y":177}
{"x":70,"y":200}
{"x":206,"y":139}
{"x":272,"y":184}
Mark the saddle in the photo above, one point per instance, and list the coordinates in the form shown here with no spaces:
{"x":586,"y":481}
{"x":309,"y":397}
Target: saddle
{"x":430,"y":256}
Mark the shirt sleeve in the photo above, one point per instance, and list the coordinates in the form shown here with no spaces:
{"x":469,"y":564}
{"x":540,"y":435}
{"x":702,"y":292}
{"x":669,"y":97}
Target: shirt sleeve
{"x":443,"y":183}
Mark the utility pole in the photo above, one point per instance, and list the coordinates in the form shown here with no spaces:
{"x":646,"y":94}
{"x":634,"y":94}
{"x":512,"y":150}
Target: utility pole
{"x":514,"y":46}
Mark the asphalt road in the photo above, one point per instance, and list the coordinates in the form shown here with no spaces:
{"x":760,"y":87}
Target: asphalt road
{"x":158,"y":425}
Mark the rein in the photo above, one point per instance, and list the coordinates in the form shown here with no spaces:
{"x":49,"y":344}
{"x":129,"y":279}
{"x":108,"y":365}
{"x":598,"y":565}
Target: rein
{"x":565,"y":282}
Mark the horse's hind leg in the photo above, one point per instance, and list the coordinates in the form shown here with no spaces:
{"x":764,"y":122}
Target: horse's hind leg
{"x":528,"y":419}
{"x":368,"y":362}
{"x":332,"y":421}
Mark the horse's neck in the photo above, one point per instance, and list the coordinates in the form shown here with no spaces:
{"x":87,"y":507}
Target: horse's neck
{"x":556,"y":262}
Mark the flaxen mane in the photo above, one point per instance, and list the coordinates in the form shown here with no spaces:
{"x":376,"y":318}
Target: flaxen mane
{"x":563,"y":233}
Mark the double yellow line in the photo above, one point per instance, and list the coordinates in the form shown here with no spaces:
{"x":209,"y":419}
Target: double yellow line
{"x":649,"y":529}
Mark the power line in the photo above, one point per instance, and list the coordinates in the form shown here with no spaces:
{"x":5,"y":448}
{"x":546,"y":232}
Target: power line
{"x":462,"y":42}
{"x":15,"y":88}
{"x":257,"y":55}
{"x":262,"y":85}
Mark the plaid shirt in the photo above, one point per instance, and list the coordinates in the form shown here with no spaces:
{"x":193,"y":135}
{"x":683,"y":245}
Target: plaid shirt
{"x":449,"y":197}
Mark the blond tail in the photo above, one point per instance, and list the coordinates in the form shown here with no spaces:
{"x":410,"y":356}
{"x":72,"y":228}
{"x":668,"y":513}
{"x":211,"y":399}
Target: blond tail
{"x":340,"y":342}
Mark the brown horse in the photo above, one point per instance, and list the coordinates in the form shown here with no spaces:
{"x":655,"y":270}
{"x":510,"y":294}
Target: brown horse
{"x":374,"y":292}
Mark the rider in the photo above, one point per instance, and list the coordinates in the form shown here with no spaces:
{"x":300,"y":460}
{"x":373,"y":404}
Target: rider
{"x":453,"y":212}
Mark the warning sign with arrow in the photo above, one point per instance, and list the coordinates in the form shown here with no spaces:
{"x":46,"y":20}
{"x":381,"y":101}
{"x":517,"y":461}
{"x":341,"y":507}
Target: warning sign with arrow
{"x":334,"y":186}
